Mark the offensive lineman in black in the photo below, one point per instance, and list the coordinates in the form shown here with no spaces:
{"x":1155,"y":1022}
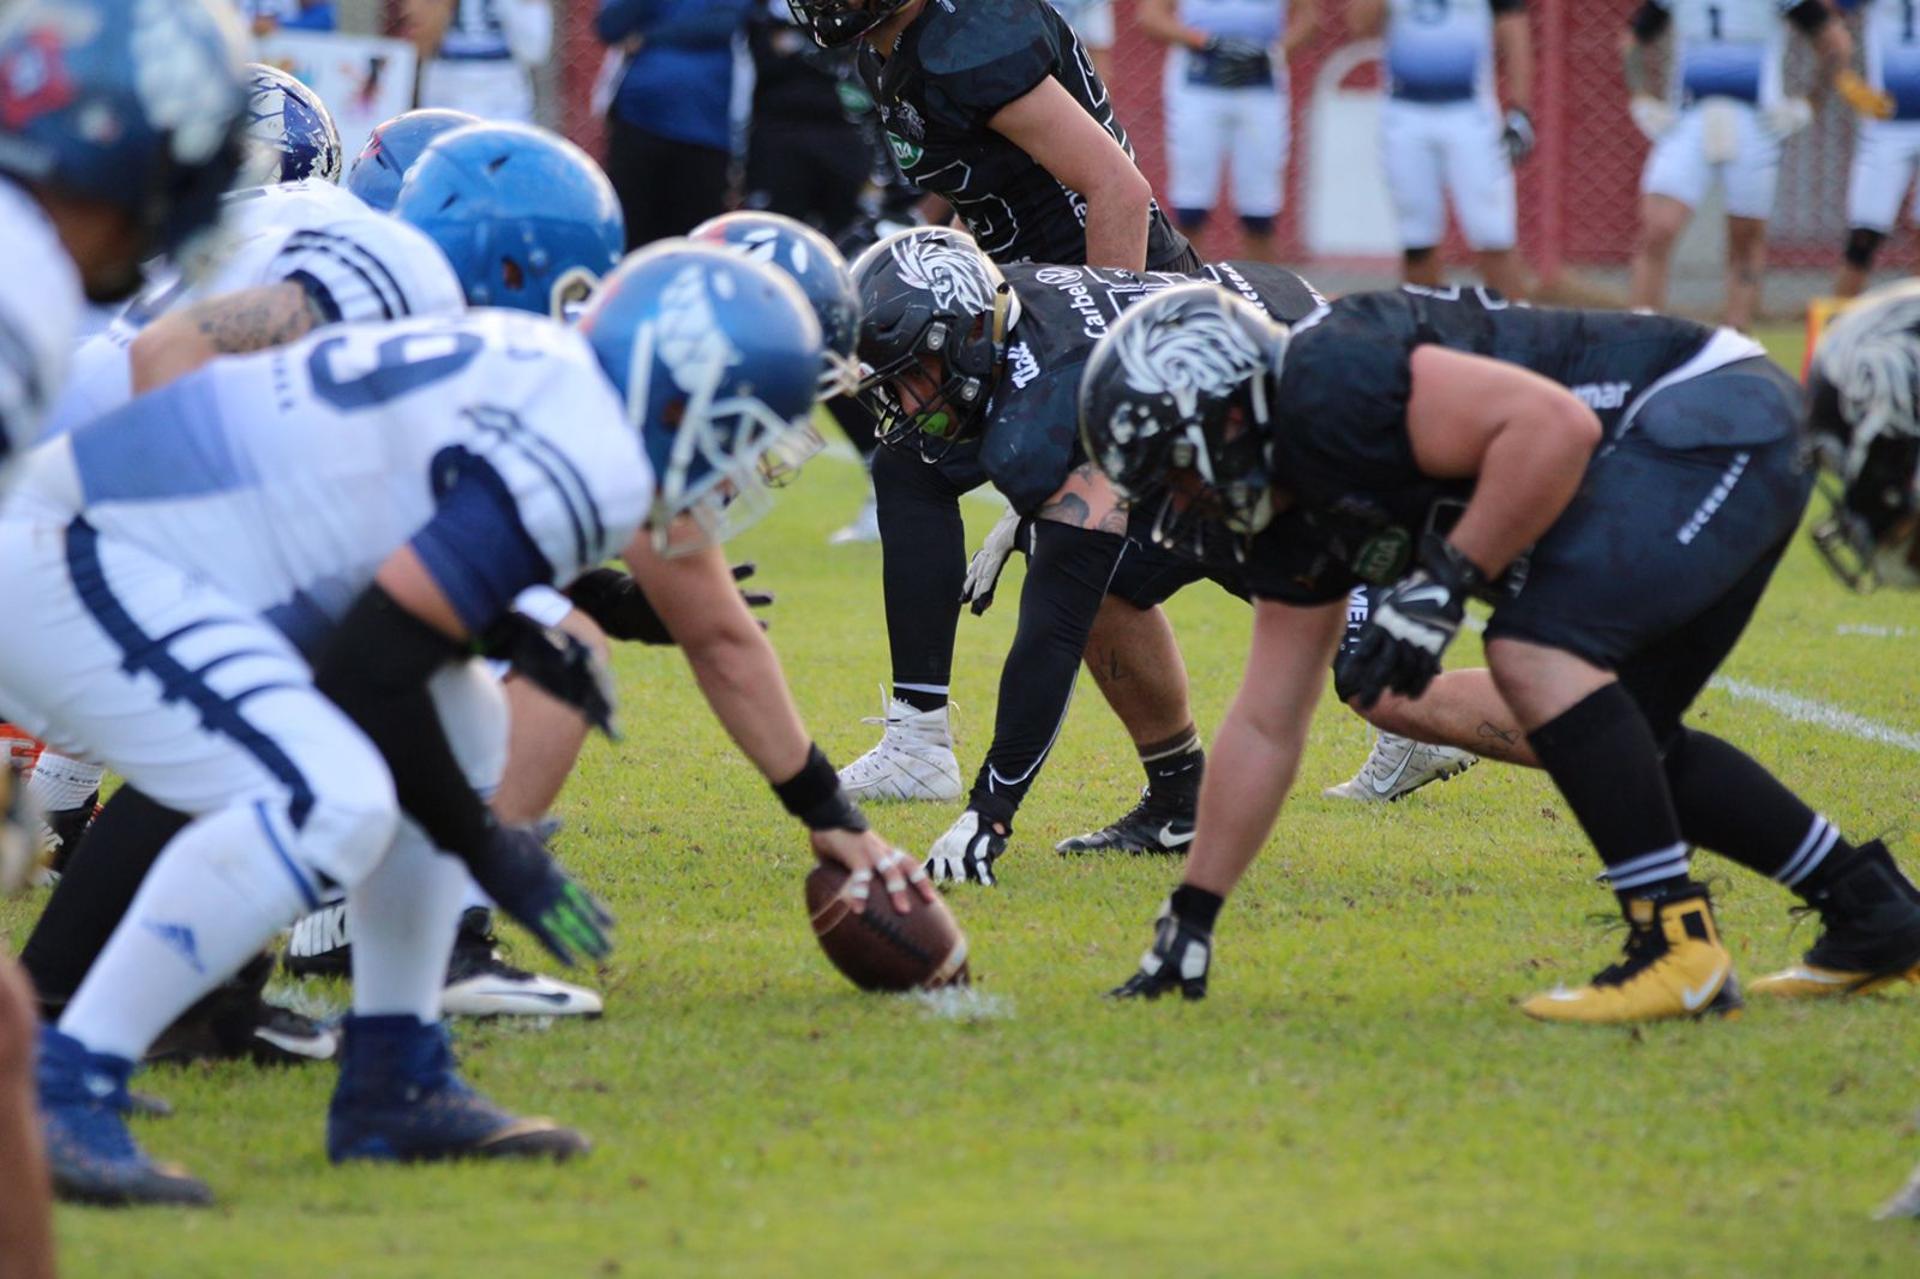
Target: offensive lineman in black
{"x":974,"y":373}
{"x":1619,"y":487}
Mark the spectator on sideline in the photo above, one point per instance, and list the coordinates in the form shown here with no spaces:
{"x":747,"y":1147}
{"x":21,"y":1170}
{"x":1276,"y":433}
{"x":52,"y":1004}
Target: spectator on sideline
{"x":1092,"y":21}
{"x":1886,"y":149}
{"x":668,"y":140}
{"x":807,"y":156}
{"x":1227,"y":99}
{"x":479,"y":56}
{"x":1721,"y":115}
{"x":269,"y":16}
{"x":1442,"y":133}
{"x":26,"y":1206}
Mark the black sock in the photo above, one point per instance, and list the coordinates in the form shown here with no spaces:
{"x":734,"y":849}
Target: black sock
{"x":1729,"y":803}
{"x":1602,"y":757}
{"x":95,"y":890}
{"x":1196,"y":907}
{"x":921,"y":699}
{"x":1174,"y":766}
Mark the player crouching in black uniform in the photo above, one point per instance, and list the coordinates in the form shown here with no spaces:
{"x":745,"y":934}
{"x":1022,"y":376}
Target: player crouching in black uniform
{"x":973,"y":374}
{"x":1619,"y":487}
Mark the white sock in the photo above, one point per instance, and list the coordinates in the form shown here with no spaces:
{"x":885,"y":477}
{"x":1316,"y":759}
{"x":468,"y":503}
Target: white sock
{"x":60,"y":782}
{"x":404,"y":917}
{"x":217,"y":894}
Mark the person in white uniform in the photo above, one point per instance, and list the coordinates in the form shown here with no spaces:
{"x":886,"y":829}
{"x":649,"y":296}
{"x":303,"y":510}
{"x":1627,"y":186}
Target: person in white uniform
{"x":1443,"y":135}
{"x":1227,"y":105}
{"x":1722,"y":115}
{"x":480,"y":55}
{"x":1886,"y":148}
{"x":1092,"y":21}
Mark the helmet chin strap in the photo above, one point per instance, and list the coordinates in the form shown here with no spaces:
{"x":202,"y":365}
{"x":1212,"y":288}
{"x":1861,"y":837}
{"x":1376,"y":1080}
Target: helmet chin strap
{"x":1006,"y":312}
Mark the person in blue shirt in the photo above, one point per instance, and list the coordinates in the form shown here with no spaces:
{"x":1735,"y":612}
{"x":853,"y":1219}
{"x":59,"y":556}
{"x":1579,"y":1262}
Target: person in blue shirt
{"x":668,"y":136}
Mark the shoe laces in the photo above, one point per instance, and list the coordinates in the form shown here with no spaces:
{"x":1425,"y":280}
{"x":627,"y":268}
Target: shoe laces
{"x":895,"y":725}
{"x":1644,"y":944}
{"x":1378,"y":763}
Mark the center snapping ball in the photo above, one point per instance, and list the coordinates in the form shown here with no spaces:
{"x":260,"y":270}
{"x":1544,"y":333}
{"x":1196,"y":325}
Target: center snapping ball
{"x":877,"y":947}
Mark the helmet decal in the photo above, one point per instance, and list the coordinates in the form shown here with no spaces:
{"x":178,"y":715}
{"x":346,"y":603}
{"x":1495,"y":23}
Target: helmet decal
{"x":1871,"y":355}
{"x":1186,"y":354}
{"x":948,"y":269}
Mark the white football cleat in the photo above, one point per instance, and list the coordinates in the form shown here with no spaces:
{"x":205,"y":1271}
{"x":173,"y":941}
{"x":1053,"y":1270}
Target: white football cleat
{"x":864,"y":527}
{"x":913,"y":761}
{"x":1399,"y":766}
{"x":491,"y":987}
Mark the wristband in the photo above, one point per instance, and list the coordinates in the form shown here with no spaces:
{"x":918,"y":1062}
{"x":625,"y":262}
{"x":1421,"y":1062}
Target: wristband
{"x":1450,"y":565}
{"x":814,"y":796}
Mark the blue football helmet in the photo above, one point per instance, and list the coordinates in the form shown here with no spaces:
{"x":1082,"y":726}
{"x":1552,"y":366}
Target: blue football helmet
{"x":717,"y":358}
{"x":527,"y":219}
{"x":290,"y":133}
{"x":816,"y":266}
{"x":391,"y":149}
{"x":135,"y":104}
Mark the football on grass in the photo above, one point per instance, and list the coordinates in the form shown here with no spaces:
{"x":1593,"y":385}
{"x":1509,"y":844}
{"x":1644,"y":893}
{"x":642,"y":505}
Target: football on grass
{"x":878,"y":948}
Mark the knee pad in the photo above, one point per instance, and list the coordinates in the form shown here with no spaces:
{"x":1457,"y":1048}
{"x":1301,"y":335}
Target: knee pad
{"x":1418,"y":257}
{"x":1257,"y":224}
{"x":1862,"y":245}
{"x":349,"y":821}
{"x":1191,"y":220}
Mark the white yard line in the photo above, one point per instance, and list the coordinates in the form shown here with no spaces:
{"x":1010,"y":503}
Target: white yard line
{"x":1806,"y":710}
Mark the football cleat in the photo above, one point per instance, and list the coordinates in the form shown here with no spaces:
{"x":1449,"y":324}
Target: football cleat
{"x":967,"y":852}
{"x":94,"y":1159}
{"x":864,"y":527}
{"x":1154,"y":825}
{"x":1904,"y":1204}
{"x":914,"y":760}
{"x":60,"y":832}
{"x":1399,"y":766}
{"x":400,"y":1099}
{"x":1179,"y":959}
{"x":235,"y":1021}
{"x":481,"y":984}
{"x":1674,"y":966}
{"x":1869,"y":937}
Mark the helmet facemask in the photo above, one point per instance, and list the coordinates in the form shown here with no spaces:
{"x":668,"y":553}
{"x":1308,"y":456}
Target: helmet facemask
{"x":836,"y":23}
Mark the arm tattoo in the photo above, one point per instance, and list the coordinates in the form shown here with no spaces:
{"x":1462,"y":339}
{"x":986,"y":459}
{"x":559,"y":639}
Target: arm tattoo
{"x":1068,"y":508}
{"x":256,"y":319}
{"x":1497,"y":742}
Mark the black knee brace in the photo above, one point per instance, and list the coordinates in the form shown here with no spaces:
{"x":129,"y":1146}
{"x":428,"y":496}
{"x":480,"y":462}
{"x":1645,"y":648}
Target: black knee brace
{"x":1862,"y":245}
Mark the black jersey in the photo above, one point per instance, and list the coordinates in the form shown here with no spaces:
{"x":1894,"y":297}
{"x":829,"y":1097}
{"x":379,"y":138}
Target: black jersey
{"x":952,"y":70}
{"x":1341,"y":450}
{"x":1032,"y":436}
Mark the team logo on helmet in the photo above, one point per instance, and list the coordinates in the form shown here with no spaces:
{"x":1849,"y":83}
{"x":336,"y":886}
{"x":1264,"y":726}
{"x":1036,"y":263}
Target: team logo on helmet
{"x":1185,"y":354}
{"x":183,"y":86}
{"x":1872,"y":358}
{"x":950,"y":271}
{"x":33,"y":80}
{"x":687,"y":339}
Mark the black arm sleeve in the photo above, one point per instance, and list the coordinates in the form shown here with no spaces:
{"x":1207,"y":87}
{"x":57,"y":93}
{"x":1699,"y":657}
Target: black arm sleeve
{"x":375,"y":668}
{"x":1649,"y":21}
{"x":1809,"y":16}
{"x":1068,"y":570}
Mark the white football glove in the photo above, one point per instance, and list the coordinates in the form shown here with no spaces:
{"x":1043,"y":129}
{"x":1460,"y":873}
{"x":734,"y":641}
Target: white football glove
{"x":1651,"y":115}
{"x":1787,"y":117}
{"x":983,"y":571}
{"x":967,"y":851}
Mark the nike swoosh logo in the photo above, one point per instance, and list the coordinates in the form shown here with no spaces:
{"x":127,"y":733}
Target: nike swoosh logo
{"x":1817,"y":976}
{"x":1393,"y":778}
{"x":1427,"y":595}
{"x":1170,"y":840}
{"x":1694,"y":996}
{"x":554,"y":997}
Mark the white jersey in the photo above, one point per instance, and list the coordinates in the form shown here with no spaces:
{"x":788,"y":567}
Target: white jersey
{"x":1442,"y":50}
{"x":1728,"y":49}
{"x":355,"y":264}
{"x":1890,"y":34}
{"x":492,"y":442}
{"x":40,"y":305}
{"x":1261,"y":21}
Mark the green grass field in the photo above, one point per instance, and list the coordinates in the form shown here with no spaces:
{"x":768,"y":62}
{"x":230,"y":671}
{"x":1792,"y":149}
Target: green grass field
{"x":1358,"y":1097}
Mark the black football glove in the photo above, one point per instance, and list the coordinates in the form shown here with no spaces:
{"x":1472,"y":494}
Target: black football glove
{"x":1237,"y":63}
{"x":1516,"y":135}
{"x":619,"y":607}
{"x":558,"y":663}
{"x":1412,"y":625}
{"x":524,"y":880}
{"x":1178,"y":960}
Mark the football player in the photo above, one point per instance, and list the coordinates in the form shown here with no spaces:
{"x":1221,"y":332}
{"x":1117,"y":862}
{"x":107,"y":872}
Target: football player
{"x":480,"y":55}
{"x":1453,"y":451}
{"x":390,"y":150}
{"x":1442,"y":132}
{"x":1226,"y":96}
{"x":1886,"y":147}
{"x":1723,"y":114}
{"x":996,"y":106}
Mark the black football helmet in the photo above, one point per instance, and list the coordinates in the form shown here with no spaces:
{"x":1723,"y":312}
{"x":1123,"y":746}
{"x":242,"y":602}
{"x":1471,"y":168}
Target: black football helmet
{"x":929,"y":298}
{"x":1176,"y":408}
{"x":1863,"y":402}
{"x":834,"y":23}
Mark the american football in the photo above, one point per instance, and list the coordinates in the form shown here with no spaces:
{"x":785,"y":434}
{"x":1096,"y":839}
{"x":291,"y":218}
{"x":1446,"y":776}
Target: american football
{"x":876,"y":946}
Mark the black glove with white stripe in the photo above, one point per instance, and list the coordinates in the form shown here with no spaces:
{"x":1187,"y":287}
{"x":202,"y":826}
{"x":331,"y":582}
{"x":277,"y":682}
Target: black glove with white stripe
{"x":1411,"y":626}
{"x":1179,"y":958}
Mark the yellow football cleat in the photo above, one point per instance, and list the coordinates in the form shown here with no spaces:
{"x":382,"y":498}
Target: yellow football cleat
{"x":1674,"y":966}
{"x":1869,"y":934}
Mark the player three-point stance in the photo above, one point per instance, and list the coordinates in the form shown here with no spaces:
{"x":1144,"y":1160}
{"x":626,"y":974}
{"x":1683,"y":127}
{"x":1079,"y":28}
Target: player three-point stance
{"x":1554,"y":463}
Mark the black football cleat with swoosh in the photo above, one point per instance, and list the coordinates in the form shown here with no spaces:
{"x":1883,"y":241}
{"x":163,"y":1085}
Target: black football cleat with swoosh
{"x":1156,"y":824}
{"x":1674,"y":966}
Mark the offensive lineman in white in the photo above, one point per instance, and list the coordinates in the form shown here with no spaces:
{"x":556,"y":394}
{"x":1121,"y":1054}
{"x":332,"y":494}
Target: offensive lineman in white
{"x":1226,"y":96}
{"x":1723,"y":113}
{"x":1886,"y":149}
{"x":1442,"y":133}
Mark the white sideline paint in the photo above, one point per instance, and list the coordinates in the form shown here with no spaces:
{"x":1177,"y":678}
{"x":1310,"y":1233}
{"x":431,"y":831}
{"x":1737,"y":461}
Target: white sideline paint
{"x":1806,"y":710}
{"x":1878,"y":632}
